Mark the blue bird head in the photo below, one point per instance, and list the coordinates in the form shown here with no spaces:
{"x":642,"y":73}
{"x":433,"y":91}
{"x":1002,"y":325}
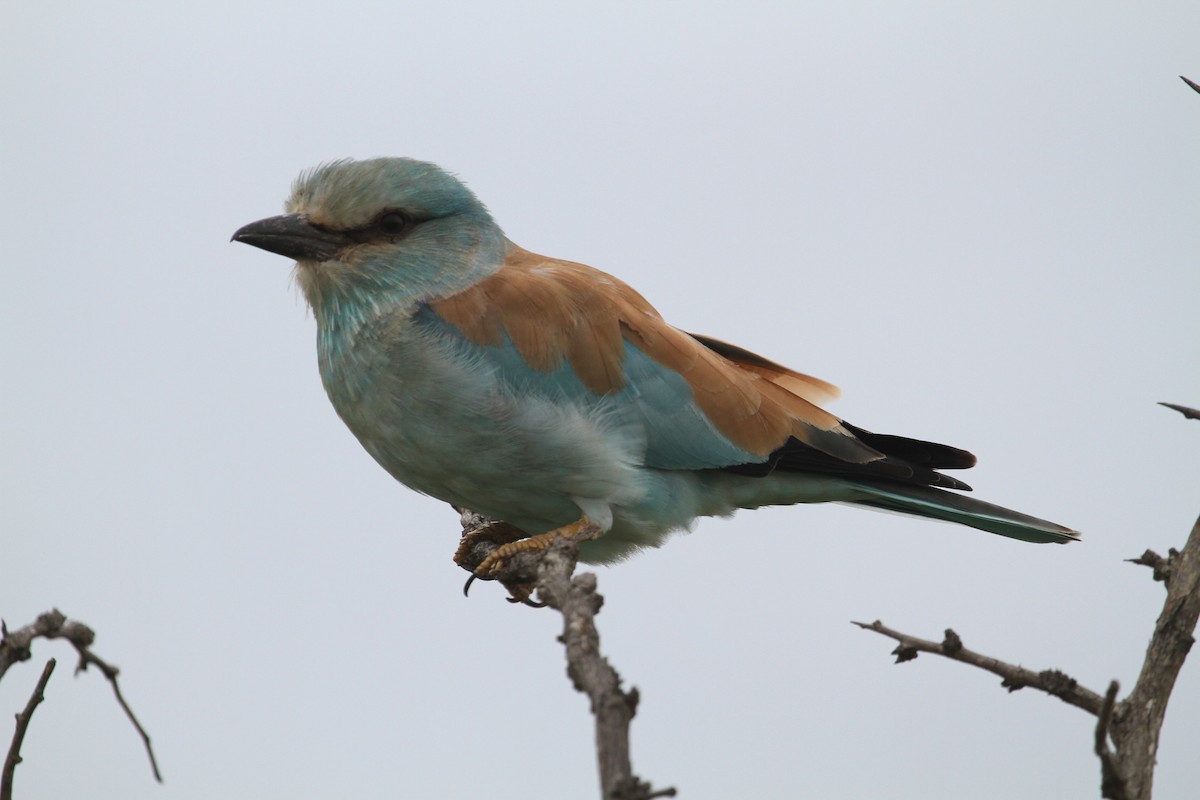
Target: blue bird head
{"x":380,"y":233}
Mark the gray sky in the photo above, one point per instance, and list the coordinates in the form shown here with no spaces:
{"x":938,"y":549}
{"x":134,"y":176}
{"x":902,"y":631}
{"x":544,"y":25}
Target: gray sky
{"x":978,"y":219}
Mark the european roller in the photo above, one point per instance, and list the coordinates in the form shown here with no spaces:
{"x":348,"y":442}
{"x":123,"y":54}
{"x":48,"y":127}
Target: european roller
{"x":553,"y":396}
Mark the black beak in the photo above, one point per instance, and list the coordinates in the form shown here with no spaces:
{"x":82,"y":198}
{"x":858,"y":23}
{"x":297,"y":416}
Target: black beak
{"x":292,"y":235}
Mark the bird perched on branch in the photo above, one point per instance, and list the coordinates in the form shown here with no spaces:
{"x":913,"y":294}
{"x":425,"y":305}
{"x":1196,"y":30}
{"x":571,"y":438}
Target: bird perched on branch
{"x":551,"y":395}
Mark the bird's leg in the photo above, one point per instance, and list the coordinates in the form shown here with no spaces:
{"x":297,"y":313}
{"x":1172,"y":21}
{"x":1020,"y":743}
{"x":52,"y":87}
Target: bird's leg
{"x":581,"y":530}
{"x":494,"y":565}
{"x":473,"y":548}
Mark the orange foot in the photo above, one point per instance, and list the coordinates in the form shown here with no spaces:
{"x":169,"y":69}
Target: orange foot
{"x":581,"y":530}
{"x":499,"y":533}
{"x":494,"y":563}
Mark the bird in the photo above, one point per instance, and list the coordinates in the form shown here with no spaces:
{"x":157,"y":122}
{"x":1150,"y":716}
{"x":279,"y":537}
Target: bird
{"x":552,"y":396}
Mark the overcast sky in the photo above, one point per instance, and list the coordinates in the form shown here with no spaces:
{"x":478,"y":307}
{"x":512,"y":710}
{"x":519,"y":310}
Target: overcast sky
{"x":978,"y":219}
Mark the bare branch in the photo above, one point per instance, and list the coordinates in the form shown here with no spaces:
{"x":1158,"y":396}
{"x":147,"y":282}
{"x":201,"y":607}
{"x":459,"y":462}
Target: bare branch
{"x":15,"y":646}
{"x":14,"y":750}
{"x":1139,"y":717}
{"x":54,"y":624}
{"x":1112,"y":784}
{"x":577,"y":600}
{"x":1050,"y":681}
{"x":1161,"y":566}
{"x":1133,"y":724}
{"x":87,"y":657}
{"x":1189,"y":413}
{"x":1137,"y":721}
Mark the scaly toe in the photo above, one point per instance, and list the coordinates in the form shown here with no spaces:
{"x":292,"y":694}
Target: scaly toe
{"x":472,"y":548}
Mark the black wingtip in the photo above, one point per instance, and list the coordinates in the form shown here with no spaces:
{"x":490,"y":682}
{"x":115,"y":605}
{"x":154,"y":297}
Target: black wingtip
{"x":1190,"y":83}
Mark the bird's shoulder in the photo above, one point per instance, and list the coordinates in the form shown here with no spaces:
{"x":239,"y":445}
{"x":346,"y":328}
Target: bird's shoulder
{"x":553,"y":312}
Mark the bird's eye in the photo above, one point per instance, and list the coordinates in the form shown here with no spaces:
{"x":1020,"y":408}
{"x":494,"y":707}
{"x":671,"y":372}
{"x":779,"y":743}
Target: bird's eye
{"x":393,"y":223}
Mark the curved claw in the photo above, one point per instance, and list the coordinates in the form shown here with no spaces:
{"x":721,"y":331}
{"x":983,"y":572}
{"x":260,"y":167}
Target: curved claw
{"x":527,"y":601}
{"x":514,"y":599}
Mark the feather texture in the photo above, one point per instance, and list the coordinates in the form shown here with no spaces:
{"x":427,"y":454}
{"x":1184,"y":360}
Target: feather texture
{"x":557,"y":312}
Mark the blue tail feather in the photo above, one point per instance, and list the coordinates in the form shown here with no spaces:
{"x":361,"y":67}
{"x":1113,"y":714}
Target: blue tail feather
{"x":924,"y":501}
